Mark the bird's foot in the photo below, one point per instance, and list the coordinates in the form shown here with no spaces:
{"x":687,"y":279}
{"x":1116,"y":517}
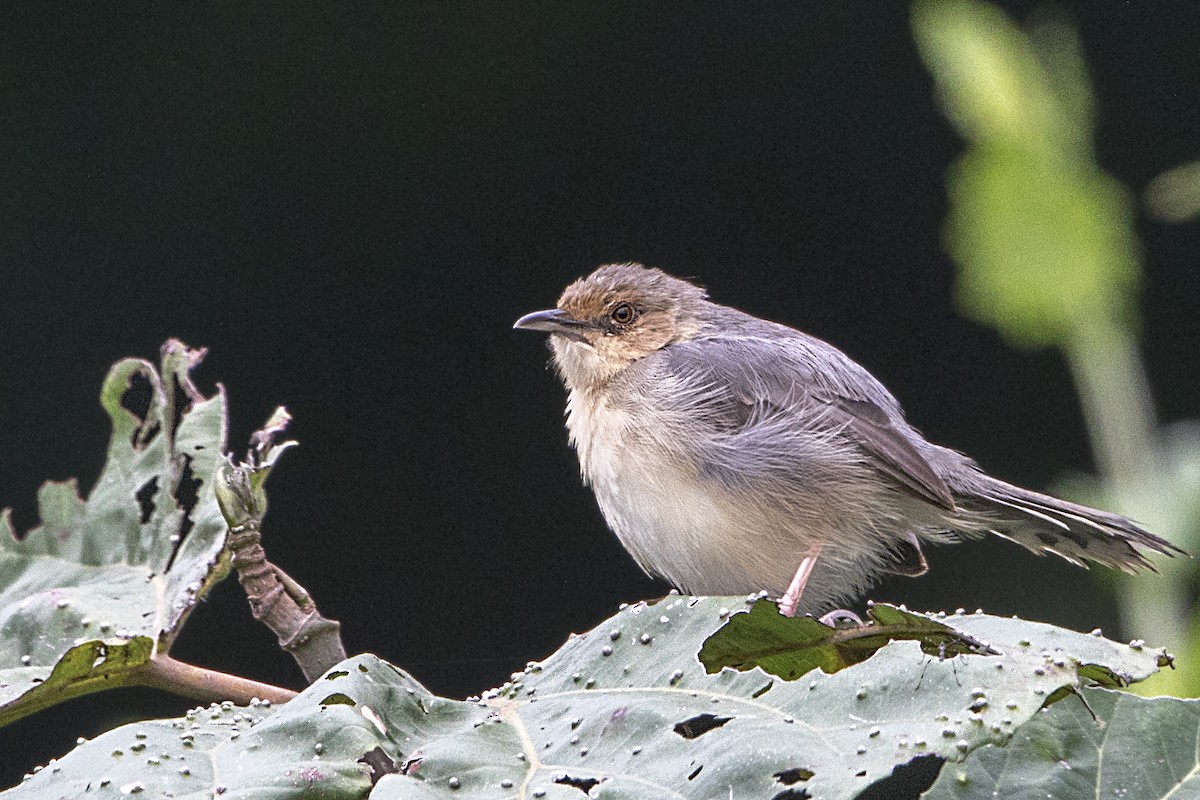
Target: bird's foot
{"x":841,"y":618}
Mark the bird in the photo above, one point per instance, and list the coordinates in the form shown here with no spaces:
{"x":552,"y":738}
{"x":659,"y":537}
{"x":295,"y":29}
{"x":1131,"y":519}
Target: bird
{"x":733,"y":455}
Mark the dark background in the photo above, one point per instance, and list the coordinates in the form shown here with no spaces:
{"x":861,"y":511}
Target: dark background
{"x":350,"y":208}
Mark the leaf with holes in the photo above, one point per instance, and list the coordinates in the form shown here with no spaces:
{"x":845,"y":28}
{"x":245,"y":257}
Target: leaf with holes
{"x":321,"y":744}
{"x":90,"y":593}
{"x":1115,"y":745}
{"x":627,"y":711}
{"x":790,"y":647}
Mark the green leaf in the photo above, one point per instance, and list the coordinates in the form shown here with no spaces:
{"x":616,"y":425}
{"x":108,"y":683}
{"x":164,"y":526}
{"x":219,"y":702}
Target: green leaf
{"x":790,"y":647}
{"x":99,"y":585}
{"x":1096,"y":659}
{"x":309,"y":747}
{"x":1134,"y":748}
{"x":1044,"y":239}
{"x":625,"y":711}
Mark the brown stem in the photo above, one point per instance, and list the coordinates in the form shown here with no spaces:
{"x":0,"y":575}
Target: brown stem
{"x":284,"y":606}
{"x":204,"y":685}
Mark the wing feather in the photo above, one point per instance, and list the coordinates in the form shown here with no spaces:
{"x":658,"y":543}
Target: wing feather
{"x":746,"y":384}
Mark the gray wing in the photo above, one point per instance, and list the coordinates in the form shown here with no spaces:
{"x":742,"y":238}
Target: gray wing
{"x":746,"y":383}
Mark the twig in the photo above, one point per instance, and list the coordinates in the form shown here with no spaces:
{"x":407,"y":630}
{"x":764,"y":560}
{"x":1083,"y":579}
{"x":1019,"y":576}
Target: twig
{"x":275,"y":599}
{"x":284,"y":606}
{"x":204,"y":685}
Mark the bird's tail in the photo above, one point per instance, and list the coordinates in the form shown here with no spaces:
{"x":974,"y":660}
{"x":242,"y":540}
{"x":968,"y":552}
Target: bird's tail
{"x":1043,"y":523}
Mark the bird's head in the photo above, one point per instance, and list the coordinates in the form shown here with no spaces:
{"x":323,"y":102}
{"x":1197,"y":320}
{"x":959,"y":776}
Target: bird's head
{"x":618,"y":314}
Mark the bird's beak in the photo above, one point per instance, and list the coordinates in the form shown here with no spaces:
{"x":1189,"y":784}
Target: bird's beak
{"x":554,"y":320}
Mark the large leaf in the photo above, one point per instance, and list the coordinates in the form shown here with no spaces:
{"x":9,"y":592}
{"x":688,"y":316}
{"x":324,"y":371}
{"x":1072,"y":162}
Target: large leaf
{"x":1117,"y":745}
{"x":101,"y":584}
{"x":624,"y":711}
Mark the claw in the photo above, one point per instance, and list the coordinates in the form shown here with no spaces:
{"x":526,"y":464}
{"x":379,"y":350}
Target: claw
{"x":841,"y":618}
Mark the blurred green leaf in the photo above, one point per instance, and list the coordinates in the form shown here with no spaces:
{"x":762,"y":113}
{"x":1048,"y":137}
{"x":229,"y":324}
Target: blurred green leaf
{"x":101,"y":584}
{"x":1044,"y":239}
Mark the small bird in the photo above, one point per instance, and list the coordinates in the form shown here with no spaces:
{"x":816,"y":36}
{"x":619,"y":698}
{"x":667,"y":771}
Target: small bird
{"x":732,"y":455}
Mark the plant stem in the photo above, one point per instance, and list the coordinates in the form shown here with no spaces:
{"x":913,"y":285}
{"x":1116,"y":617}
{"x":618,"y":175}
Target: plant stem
{"x":204,"y":685}
{"x":1119,"y":410}
{"x":284,"y":606}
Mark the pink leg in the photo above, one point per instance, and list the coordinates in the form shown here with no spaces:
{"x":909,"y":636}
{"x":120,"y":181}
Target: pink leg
{"x":791,"y":598}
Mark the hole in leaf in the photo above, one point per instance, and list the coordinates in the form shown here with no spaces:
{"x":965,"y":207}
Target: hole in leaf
{"x":380,"y":764}
{"x":182,"y":404}
{"x":145,"y":498}
{"x":794,"y":775}
{"x":186,"y":494}
{"x":699,"y":725}
{"x":793,"y":794}
{"x":584,"y":785}
{"x":338,"y":699}
{"x":695,"y":772}
{"x":341,"y":673}
{"x":766,"y":688}
{"x":136,"y":399}
{"x":907,"y":781}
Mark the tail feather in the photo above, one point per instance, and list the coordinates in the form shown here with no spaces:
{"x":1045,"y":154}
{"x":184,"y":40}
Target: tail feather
{"x":1071,"y":531}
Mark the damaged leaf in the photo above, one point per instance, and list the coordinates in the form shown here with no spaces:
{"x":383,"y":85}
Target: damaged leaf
{"x":101,"y":584}
{"x":1098,"y":744}
{"x":628,"y":711}
{"x":790,"y":647}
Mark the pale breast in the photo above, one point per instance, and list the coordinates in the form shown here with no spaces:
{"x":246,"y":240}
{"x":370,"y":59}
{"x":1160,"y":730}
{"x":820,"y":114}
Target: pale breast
{"x":674,"y":524}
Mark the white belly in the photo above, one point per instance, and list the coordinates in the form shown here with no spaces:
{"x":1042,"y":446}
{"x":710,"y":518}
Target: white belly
{"x":675,"y":525}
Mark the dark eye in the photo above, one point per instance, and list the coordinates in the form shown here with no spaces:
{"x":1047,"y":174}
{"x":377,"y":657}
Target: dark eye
{"x":623,"y":313}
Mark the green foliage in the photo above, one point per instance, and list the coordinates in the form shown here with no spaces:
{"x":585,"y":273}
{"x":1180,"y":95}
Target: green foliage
{"x":1043,"y":238}
{"x":87,"y":596}
{"x":791,"y":647}
{"x":1048,"y":256}
{"x":1100,"y":744}
{"x":624,"y":711}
